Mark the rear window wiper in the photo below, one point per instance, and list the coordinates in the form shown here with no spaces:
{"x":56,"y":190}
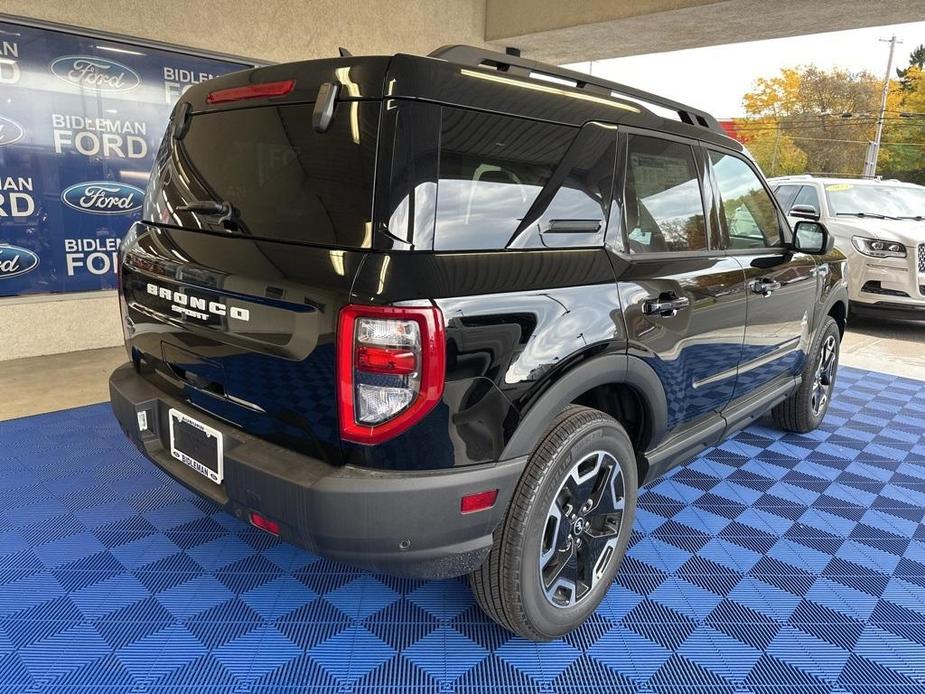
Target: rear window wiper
{"x":210,"y":208}
{"x":225,"y":212}
{"x":916,"y":217}
{"x":873,"y":215}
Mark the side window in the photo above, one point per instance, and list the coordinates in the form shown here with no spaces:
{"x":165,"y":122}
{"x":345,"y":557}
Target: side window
{"x":492,"y":168}
{"x":748,"y":213}
{"x":664,"y":207}
{"x":572,"y":209}
{"x":785,"y":195}
{"x":806,"y":196}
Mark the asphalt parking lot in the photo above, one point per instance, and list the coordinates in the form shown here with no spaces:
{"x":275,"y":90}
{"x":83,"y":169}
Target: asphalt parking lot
{"x":888,"y":346}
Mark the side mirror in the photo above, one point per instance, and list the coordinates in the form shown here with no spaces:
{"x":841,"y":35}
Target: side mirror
{"x":804,"y":212}
{"x":812,"y":237}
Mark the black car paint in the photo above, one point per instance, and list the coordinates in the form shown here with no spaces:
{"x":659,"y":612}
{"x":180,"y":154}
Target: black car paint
{"x":528,"y":330}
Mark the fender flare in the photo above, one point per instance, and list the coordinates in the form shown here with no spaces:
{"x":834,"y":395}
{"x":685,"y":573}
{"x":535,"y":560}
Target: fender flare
{"x":606,"y":368}
{"x":838,"y":293}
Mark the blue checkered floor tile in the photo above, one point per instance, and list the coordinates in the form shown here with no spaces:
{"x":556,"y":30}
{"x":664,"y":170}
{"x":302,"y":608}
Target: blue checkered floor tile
{"x":773,"y":562}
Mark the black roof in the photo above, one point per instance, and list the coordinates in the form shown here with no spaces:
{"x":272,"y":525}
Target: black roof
{"x":473,"y":78}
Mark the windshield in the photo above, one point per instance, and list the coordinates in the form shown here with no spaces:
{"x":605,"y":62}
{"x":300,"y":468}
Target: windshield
{"x":877,"y":199}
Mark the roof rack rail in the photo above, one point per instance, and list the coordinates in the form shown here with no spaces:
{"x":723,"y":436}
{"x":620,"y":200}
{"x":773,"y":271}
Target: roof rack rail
{"x":480,"y":57}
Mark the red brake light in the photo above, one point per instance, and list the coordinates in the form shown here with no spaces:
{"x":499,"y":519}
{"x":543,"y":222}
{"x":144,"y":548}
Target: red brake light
{"x":391,"y":364}
{"x":385,"y":360}
{"x":251,"y":91}
{"x":478,"y":501}
{"x":264,"y":523}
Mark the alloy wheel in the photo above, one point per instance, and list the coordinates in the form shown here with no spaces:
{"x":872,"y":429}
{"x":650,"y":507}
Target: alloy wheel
{"x":825,"y":375}
{"x":582,"y":529}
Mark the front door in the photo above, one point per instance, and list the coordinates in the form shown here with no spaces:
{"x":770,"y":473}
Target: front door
{"x":683,"y":300}
{"x":780,"y":285}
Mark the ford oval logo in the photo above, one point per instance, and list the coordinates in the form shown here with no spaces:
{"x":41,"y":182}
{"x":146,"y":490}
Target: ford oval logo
{"x":11,"y":132}
{"x":15,"y":261}
{"x":103,"y":197}
{"x":91,"y":72}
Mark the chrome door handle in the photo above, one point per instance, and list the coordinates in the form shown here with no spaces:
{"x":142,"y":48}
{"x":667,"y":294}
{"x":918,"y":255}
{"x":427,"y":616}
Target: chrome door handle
{"x":765,"y":287}
{"x":666,"y":305}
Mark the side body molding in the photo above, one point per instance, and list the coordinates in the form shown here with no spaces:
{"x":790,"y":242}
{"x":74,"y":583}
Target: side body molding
{"x":606,"y":368}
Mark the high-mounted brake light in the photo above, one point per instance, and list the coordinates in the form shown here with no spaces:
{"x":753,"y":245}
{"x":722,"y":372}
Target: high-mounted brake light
{"x":390,"y":369}
{"x":251,"y":91}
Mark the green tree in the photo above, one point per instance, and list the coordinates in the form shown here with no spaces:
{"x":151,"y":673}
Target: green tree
{"x":902,"y":154}
{"x":916,"y":60}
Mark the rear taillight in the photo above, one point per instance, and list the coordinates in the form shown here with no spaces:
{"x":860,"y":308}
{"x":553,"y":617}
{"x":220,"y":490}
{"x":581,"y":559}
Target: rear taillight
{"x":251,"y":91}
{"x":390,"y":369}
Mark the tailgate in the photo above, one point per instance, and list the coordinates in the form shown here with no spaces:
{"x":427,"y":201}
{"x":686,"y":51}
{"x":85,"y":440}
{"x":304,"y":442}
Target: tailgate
{"x":242,"y":328}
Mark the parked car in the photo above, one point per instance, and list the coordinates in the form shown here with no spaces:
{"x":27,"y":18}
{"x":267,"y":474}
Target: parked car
{"x":880,"y":227}
{"x":440,"y":315}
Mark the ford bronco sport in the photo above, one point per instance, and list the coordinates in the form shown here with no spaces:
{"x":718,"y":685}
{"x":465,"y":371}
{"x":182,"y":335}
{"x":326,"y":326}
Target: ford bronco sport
{"x":444,"y":315}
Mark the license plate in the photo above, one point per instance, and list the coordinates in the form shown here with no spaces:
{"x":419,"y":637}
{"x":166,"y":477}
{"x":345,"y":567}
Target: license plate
{"x":196,"y":445}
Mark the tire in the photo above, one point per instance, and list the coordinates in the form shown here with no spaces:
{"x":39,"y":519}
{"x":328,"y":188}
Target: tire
{"x":583,"y":450}
{"x":805,"y":409}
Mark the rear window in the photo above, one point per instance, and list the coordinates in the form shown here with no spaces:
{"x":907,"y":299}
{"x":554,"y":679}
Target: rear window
{"x":284,"y":180}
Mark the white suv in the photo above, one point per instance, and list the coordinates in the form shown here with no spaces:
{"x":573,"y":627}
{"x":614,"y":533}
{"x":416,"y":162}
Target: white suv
{"x":878,"y":225}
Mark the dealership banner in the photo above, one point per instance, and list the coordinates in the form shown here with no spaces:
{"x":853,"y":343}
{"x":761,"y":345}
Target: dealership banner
{"x":81,"y":119}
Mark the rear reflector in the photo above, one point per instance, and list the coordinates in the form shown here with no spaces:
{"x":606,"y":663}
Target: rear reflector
{"x":478,"y":501}
{"x":251,"y":91}
{"x":264,"y":523}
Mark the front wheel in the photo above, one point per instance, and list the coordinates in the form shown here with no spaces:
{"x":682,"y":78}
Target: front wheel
{"x":566,"y":530}
{"x":805,"y":409}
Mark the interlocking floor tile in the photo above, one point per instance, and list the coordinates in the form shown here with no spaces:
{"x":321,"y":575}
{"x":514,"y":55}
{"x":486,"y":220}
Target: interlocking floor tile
{"x":772,"y":563}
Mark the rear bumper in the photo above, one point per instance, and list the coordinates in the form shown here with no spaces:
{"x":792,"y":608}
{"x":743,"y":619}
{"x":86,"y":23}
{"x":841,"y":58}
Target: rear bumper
{"x":402,"y":523}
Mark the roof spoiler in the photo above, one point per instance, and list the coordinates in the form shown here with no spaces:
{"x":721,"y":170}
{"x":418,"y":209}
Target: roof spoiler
{"x":473,"y":56}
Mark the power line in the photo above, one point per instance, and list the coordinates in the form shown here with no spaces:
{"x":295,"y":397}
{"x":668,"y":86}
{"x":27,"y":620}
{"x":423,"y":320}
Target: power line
{"x":817,"y":122}
{"x":817,"y":126}
{"x":819,"y":118}
{"x":860,"y":142}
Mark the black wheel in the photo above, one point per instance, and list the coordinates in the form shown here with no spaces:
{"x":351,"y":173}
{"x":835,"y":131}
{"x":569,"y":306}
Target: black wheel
{"x":566,"y":530}
{"x":805,"y":409}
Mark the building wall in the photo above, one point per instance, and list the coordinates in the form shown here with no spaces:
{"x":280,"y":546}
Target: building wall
{"x":275,"y":30}
{"x":270,"y":30}
{"x":49,"y":324}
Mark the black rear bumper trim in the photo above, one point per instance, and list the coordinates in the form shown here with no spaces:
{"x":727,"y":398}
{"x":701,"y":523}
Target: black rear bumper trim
{"x":401,"y":523}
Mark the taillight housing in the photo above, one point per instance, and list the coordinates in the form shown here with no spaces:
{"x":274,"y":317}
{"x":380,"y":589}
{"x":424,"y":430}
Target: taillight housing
{"x":391,"y":363}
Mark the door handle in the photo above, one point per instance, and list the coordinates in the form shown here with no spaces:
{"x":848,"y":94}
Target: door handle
{"x":765,"y":287}
{"x":666,"y":305}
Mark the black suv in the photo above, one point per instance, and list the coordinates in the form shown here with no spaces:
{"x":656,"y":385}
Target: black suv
{"x":443,"y":315}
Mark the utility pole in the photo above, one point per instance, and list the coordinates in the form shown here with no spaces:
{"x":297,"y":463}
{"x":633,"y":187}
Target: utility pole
{"x":776,"y":145}
{"x":873,"y":149}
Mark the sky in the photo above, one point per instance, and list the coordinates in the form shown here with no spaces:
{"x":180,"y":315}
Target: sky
{"x":715,"y":78}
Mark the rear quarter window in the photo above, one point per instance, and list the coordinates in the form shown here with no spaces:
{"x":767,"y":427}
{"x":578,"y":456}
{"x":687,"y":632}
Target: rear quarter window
{"x":492,"y":168}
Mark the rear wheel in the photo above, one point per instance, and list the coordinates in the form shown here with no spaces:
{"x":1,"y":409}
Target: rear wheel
{"x":566,"y":530}
{"x":805,"y":409}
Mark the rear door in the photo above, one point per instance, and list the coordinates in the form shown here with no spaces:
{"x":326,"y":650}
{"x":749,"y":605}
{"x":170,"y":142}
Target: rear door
{"x":781,"y":285}
{"x":683,"y":299}
{"x":255,"y":225}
